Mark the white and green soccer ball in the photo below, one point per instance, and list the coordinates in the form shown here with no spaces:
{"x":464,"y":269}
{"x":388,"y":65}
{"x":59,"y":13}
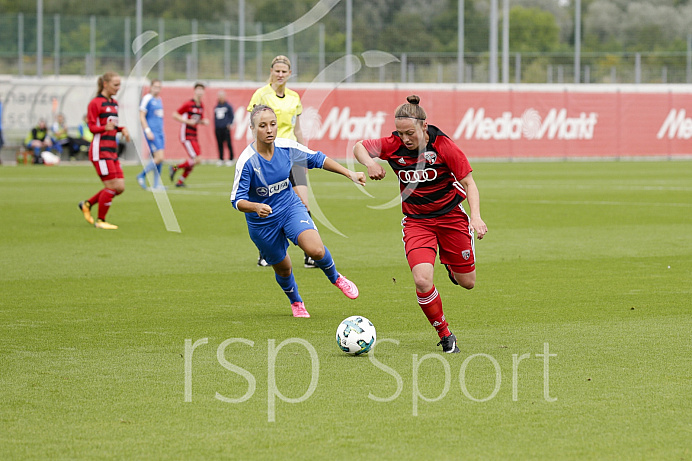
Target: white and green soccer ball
{"x":356,"y":335}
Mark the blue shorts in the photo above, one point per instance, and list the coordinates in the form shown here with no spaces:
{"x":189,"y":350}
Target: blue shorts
{"x":157,"y":144}
{"x":272,"y":238}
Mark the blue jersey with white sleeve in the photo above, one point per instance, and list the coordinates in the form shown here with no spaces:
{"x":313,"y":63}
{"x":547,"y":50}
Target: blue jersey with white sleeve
{"x":266,"y":181}
{"x":153,"y":108}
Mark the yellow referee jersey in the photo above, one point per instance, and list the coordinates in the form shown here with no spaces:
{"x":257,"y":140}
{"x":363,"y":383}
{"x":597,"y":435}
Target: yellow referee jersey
{"x":287,"y":109}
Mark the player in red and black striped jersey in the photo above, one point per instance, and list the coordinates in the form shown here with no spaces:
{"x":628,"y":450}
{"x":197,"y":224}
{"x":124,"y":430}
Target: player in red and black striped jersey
{"x":102,"y":118}
{"x":190,"y":114}
{"x":434,"y":179}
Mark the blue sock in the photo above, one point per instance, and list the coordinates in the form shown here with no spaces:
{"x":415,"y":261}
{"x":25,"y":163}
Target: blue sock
{"x":157,"y":174}
{"x":327,"y":265}
{"x":290,"y":287}
{"x":151,"y":166}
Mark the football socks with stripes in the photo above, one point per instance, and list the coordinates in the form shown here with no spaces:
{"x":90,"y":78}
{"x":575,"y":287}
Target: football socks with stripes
{"x":431,"y":303}
{"x":290,"y":287}
{"x":105,"y":201}
{"x":327,"y":265}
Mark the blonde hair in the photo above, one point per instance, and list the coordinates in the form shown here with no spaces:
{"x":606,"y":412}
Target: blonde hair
{"x":411,"y":109}
{"x":107,"y":77}
{"x":280,"y":59}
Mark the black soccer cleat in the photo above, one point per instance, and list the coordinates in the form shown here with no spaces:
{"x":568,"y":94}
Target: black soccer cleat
{"x":309,"y":263}
{"x":449,"y":344}
{"x":171,"y":172}
{"x":451,"y":276}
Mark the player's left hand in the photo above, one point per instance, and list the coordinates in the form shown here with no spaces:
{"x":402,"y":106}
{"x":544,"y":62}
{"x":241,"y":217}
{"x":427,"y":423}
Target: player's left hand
{"x":478,"y":226}
{"x":126,"y":134}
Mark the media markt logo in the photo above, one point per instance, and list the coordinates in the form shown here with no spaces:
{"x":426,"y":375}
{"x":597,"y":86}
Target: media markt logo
{"x":530,"y":125}
{"x":677,"y":124}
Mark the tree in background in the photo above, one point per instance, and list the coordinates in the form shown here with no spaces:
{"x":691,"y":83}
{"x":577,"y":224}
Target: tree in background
{"x":533,"y":30}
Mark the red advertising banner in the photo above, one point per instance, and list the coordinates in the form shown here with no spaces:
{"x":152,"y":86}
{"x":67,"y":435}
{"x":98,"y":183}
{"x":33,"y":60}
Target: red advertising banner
{"x":573,"y":121}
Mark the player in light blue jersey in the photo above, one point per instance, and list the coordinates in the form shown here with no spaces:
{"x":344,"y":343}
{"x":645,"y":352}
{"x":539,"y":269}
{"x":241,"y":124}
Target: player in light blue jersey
{"x":151,"y":116}
{"x":274,"y":213}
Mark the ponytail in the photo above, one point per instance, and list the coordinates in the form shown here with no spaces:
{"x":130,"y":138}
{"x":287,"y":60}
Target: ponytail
{"x":99,"y":85}
{"x":107,"y":77}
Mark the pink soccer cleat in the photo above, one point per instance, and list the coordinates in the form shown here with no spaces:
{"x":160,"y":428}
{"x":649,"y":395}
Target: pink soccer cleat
{"x":298,"y":309}
{"x":347,"y":287}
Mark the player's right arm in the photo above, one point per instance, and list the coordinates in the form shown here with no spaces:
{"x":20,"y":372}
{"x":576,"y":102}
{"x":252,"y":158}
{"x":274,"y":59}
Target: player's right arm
{"x":143,"y":110}
{"x":375,"y":170}
{"x":262,"y":209}
{"x":93,"y":117}
{"x":178,"y":116}
{"x":145,"y":125}
{"x":240,"y":193}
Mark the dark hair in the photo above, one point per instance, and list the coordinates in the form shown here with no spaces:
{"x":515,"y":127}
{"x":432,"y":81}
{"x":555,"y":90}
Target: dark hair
{"x":198,"y":85}
{"x":256,"y":109}
{"x":107,"y":77}
{"x":154,"y":80}
{"x":411,"y":109}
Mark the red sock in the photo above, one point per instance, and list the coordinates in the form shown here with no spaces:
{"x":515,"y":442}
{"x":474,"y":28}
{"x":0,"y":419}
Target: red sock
{"x":431,"y":303}
{"x":185,"y":164}
{"x":187,"y":171}
{"x":105,"y":200}
{"x":95,"y":199}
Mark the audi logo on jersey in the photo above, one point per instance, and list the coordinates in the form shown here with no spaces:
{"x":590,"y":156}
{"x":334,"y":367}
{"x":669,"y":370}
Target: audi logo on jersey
{"x":416,"y":176}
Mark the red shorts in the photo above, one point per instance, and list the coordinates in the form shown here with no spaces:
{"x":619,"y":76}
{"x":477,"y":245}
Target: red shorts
{"x":108,"y":169}
{"x":450,"y":233}
{"x":191,"y":147}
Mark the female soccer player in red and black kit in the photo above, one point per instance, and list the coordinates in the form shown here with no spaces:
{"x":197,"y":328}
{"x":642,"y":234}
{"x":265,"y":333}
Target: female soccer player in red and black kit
{"x":102,"y":118}
{"x":190,"y":114}
{"x":434,"y":179}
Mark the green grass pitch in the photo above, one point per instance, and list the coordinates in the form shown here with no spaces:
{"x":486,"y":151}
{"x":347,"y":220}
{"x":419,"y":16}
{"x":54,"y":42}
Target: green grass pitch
{"x":590,"y":262}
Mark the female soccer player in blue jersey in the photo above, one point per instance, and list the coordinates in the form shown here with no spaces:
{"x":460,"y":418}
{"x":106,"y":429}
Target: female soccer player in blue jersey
{"x":274,"y":213}
{"x":151,"y":116}
{"x":286,"y":104}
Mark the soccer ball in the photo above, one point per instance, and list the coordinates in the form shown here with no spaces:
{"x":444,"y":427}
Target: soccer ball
{"x":356,"y":335}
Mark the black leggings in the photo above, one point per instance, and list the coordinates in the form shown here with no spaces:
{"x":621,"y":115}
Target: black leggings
{"x":223,"y":135}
